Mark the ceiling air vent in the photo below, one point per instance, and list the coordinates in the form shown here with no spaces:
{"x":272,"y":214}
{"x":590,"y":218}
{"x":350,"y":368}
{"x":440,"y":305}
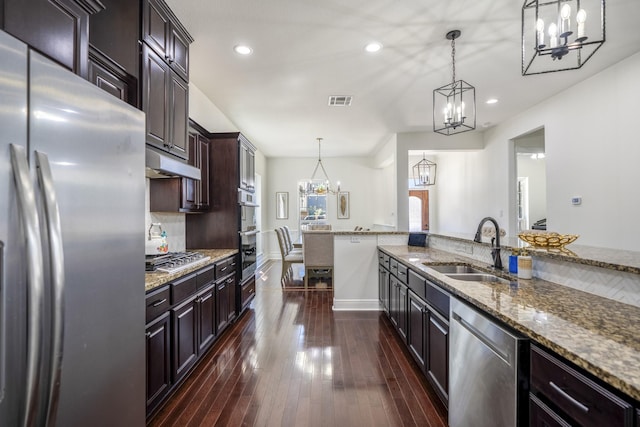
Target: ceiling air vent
{"x":340,"y":100}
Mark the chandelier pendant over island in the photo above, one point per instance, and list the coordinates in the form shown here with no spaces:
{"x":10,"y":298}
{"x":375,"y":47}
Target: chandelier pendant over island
{"x":454,"y":105}
{"x":559,"y":35}
{"x":318,"y":185}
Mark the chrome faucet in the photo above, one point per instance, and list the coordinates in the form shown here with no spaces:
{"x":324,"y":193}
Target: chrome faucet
{"x":495,"y":250}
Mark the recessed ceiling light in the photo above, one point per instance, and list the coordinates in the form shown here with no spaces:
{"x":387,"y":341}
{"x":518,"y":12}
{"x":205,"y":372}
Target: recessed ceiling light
{"x":492,"y":101}
{"x":373,"y":47}
{"x":242,"y":49}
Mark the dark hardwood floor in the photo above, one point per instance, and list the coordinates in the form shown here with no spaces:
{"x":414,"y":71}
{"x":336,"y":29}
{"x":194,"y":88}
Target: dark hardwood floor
{"x":292,"y":361}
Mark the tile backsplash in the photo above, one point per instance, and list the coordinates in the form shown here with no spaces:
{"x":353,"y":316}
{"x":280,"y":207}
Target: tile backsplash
{"x":173,"y":223}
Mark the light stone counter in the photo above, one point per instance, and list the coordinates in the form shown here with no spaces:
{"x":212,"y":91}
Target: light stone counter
{"x":155,"y":279}
{"x":598,"y":334}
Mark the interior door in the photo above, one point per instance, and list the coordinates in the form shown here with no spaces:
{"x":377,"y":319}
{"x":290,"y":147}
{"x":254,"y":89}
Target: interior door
{"x":423,"y":195}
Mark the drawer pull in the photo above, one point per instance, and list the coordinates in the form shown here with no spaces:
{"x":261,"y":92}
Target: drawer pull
{"x":233,"y":264}
{"x":224,"y":268}
{"x":570,"y":398}
{"x":403,"y":273}
{"x":159,"y":302}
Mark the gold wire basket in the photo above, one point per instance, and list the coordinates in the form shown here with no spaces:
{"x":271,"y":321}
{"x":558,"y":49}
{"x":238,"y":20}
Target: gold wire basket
{"x":547,"y":240}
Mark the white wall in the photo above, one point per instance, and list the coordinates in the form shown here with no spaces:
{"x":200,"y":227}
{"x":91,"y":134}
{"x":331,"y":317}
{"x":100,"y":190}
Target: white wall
{"x":428,"y":141}
{"x":206,"y":114}
{"x":535,"y":171}
{"x":354,"y":173}
{"x":592,"y":150}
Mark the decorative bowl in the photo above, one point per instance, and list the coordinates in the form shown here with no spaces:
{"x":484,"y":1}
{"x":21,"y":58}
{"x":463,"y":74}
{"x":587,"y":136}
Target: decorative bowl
{"x":547,"y":240}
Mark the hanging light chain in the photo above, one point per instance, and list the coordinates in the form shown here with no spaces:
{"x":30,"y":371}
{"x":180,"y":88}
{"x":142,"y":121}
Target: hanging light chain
{"x":453,"y":57}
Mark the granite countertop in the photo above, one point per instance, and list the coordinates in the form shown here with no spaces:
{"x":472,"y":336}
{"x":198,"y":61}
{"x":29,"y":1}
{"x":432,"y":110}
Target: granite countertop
{"x":154,"y":279}
{"x":595,"y":333}
{"x":357,"y":233}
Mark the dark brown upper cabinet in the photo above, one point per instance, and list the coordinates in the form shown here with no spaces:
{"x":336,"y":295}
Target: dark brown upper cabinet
{"x":165,"y":100}
{"x":164,"y":80}
{"x":114,"y":50}
{"x":162,"y":31}
{"x":57,"y":28}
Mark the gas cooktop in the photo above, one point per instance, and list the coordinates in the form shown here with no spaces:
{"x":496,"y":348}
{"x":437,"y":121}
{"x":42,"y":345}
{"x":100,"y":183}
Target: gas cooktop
{"x":174,"y":262}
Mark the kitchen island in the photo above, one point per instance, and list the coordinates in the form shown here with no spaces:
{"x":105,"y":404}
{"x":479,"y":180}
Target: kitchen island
{"x":356,"y":266}
{"x":597,"y":334}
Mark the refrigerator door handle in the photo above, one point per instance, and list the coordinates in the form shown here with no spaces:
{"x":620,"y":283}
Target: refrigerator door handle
{"x":52,"y":219}
{"x":25,"y":194}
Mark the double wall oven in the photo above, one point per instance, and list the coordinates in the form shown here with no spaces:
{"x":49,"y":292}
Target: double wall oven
{"x":248,"y":232}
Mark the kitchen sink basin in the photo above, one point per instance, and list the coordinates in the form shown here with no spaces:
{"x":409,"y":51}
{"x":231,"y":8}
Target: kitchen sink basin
{"x":478,"y":277}
{"x":454,"y":269}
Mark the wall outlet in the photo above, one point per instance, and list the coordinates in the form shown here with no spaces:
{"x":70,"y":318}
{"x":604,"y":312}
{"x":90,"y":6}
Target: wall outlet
{"x":355,"y":239}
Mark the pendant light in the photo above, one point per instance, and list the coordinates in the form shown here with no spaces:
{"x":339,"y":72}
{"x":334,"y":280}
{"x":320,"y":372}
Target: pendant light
{"x":424,"y":173}
{"x":560,"y":35}
{"x":454,"y":105}
{"x":318,"y":185}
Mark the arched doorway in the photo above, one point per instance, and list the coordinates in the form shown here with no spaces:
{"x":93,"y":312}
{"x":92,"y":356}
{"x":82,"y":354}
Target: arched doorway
{"x":418,"y":210}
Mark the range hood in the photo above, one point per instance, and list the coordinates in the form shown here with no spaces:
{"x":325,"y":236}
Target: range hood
{"x":163,"y":166}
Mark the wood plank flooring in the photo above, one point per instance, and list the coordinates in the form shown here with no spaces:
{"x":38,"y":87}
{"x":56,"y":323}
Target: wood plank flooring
{"x":292,"y":361}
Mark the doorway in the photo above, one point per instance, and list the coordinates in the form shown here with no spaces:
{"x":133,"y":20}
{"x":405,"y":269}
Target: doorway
{"x":418,"y":210}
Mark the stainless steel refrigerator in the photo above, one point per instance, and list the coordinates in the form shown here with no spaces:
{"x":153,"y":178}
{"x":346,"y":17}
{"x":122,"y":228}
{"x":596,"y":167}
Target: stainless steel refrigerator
{"x":71,"y":248}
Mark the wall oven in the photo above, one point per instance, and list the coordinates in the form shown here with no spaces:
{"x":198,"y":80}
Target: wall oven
{"x":248,"y":231}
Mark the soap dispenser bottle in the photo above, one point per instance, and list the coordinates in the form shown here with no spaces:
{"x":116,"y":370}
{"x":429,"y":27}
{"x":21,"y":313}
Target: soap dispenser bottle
{"x":525,"y":266}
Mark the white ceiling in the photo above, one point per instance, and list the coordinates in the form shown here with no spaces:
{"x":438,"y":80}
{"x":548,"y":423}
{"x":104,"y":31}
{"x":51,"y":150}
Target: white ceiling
{"x":304,"y":51}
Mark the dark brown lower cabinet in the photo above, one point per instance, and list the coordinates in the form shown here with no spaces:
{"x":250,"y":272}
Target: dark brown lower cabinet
{"x":185,"y":343}
{"x":158,"y":337}
{"x":383,"y":288}
{"x":206,"y":318}
{"x":418,"y":318}
{"x":540,"y":415}
{"x":428,"y":342}
{"x":225,"y":302}
{"x":437,"y":354}
{"x":579,"y":398}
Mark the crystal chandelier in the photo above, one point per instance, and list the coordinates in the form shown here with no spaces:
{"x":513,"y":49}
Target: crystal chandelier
{"x":559,"y":35}
{"x":318,"y":185}
{"x":454,"y":105}
{"x":424,"y":172}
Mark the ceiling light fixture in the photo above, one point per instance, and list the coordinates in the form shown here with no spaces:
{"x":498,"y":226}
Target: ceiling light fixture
{"x":373,"y":47}
{"x":492,"y":101}
{"x":315,"y":185}
{"x":242,"y":49}
{"x":424,"y":172}
{"x":454,"y":105}
{"x":569,"y":31}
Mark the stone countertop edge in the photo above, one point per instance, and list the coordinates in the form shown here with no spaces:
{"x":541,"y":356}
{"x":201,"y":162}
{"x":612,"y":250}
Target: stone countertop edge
{"x":595,"y":333}
{"x":357,"y":233}
{"x":612,"y":259}
{"x":153,"y":280}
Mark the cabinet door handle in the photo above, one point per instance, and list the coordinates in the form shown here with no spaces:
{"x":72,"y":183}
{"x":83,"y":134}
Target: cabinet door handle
{"x":148,"y":334}
{"x":570,"y":398}
{"x":230,"y":280}
{"x":159,"y":302}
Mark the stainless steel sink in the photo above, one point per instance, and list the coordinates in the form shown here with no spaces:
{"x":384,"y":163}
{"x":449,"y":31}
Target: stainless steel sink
{"x":454,"y":269}
{"x":478,"y":277}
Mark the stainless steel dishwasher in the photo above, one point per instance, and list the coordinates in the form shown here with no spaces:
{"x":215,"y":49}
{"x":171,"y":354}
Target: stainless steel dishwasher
{"x":487,"y":372}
